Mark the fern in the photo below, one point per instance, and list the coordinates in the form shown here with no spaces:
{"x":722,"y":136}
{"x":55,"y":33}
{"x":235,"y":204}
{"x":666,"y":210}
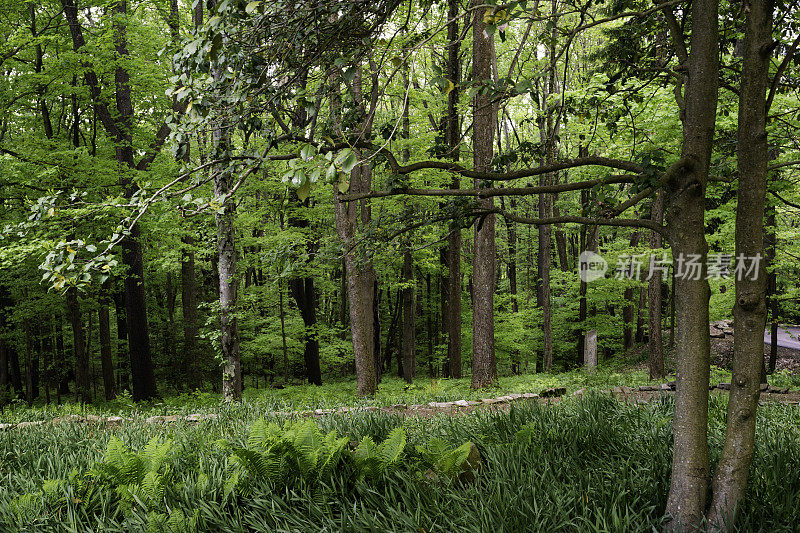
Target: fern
{"x":451,"y":463}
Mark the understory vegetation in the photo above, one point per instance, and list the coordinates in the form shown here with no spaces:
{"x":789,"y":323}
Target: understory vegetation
{"x":593,"y":464}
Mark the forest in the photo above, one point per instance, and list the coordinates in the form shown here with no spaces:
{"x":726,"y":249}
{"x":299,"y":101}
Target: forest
{"x":421,"y":265}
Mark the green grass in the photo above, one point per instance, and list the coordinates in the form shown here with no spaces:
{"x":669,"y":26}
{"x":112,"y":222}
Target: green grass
{"x":579,"y":465}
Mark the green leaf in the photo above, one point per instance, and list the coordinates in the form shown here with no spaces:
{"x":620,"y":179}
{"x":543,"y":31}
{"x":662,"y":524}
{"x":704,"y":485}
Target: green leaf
{"x":304,"y":190}
{"x":252,"y":7}
{"x":349,"y":162}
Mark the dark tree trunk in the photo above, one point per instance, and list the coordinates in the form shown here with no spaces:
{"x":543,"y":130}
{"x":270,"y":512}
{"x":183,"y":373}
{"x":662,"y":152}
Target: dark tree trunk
{"x":123,"y":358}
{"x":303,"y":293}
{"x":772,"y":288}
{"x":81,"y":359}
{"x":686,"y":229}
{"x":750,"y":310}
{"x":452,"y":316}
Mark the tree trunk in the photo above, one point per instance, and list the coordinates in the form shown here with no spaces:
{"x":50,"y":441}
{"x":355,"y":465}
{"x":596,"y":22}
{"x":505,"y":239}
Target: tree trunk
{"x":453,"y":138}
{"x":686,"y":229}
{"x":189,"y":309}
{"x":78,"y":347}
{"x":409,"y":336}
{"x":772,"y":288}
{"x":106,"y":361}
{"x":123,"y":359}
{"x":484,"y":366}
{"x":303,"y":293}
{"x":655,"y":341}
{"x":628,"y":312}
{"x":750,"y":310}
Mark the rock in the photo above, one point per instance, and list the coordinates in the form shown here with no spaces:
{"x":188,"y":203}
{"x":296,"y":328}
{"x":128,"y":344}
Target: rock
{"x":724,"y":386}
{"x":664,"y":387}
{"x":371,"y":408}
{"x":647,"y":388}
{"x":514,"y":396}
{"x":162,"y":419}
{"x":763,"y":387}
{"x":30,"y":424}
{"x":778,"y":390}
{"x":461,"y":403}
{"x":491,"y":401}
{"x":579,"y":392}
{"x":115,"y":420}
{"x":506,"y":398}
{"x":530,"y":395}
{"x":400,"y":406}
{"x":716,"y":333}
{"x":4,"y":427}
{"x":440,"y":405}
{"x":553,"y":392}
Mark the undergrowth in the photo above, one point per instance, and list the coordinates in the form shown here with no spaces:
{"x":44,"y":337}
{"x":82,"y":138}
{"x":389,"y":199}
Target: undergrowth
{"x":579,"y":465}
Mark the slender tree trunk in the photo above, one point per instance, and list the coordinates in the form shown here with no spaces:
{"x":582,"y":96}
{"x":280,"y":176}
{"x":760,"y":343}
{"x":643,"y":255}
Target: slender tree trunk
{"x":772,"y":288}
{"x":409,"y":336}
{"x":106,"y":360}
{"x":628,"y":312}
{"x":303,"y":293}
{"x":484,"y":366}
{"x":453,"y":138}
{"x":686,"y":228}
{"x":189,"y":309}
{"x":78,"y":347}
{"x":282,"y":312}
{"x":750,"y":310}
{"x":655,"y":341}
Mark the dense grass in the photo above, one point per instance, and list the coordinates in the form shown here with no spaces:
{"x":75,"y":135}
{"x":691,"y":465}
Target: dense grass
{"x":579,"y":465}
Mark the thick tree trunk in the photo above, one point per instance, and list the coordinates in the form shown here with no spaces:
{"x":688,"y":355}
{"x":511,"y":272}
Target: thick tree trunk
{"x":106,"y":361}
{"x":78,"y":347}
{"x":484,"y":366}
{"x":750,"y":309}
{"x":655,"y":341}
{"x":189,"y":309}
{"x":123,"y":359}
{"x":686,"y":228}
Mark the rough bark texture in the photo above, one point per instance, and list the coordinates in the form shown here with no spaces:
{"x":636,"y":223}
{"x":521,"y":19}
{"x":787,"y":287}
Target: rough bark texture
{"x":655,"y":340}
{"x":750,"y":309}
{"x":303,"y":293}
{"x":484,"y":366}
{"x":358,"y":267}
{"x":686,"y":230}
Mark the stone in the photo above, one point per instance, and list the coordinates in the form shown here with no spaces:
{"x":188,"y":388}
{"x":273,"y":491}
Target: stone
{"x":4,"y":427}
{"x":194,"y":417}
{"x":115,"y":420}
{"x":440,"y":405}
{"x":664,"y":387}
{"x":461,"y":403}
{"x":530,"y":395}
{"x":724,"y":386}
{"x":579,"y":392}
{"x":763,"y":387}
{"x":400,"y":406}
{"x":590,"y":349}
{"x":163,"y":419}
{"x":553,"y":392}
{"x":515,"y":396}
{"x":647,"y":388}
{"x":30,"y":424}
{"x":491,"y":401}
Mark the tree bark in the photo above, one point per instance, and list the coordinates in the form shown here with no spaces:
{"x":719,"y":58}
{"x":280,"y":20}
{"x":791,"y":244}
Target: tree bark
{"x":106,"y":361}
{"x":772,"y":288}
{"x":655,"y":340}
{"x":409,"y":335}
{"x":453,"y":138}
{"x":686,"y":230}
{"x":750,"y":309}
{"x":303,"y":293}
{"x":484,"y":366}
{"x":78,"y":347}
{"x":189,"y":310}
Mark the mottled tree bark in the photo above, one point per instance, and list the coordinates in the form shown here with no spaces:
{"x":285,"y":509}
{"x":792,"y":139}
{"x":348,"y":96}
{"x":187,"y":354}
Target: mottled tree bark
{"x":484,"y":366}
{"x":750,"y":309}
{"x":686,"y":230}
{"x":655,"y":340}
